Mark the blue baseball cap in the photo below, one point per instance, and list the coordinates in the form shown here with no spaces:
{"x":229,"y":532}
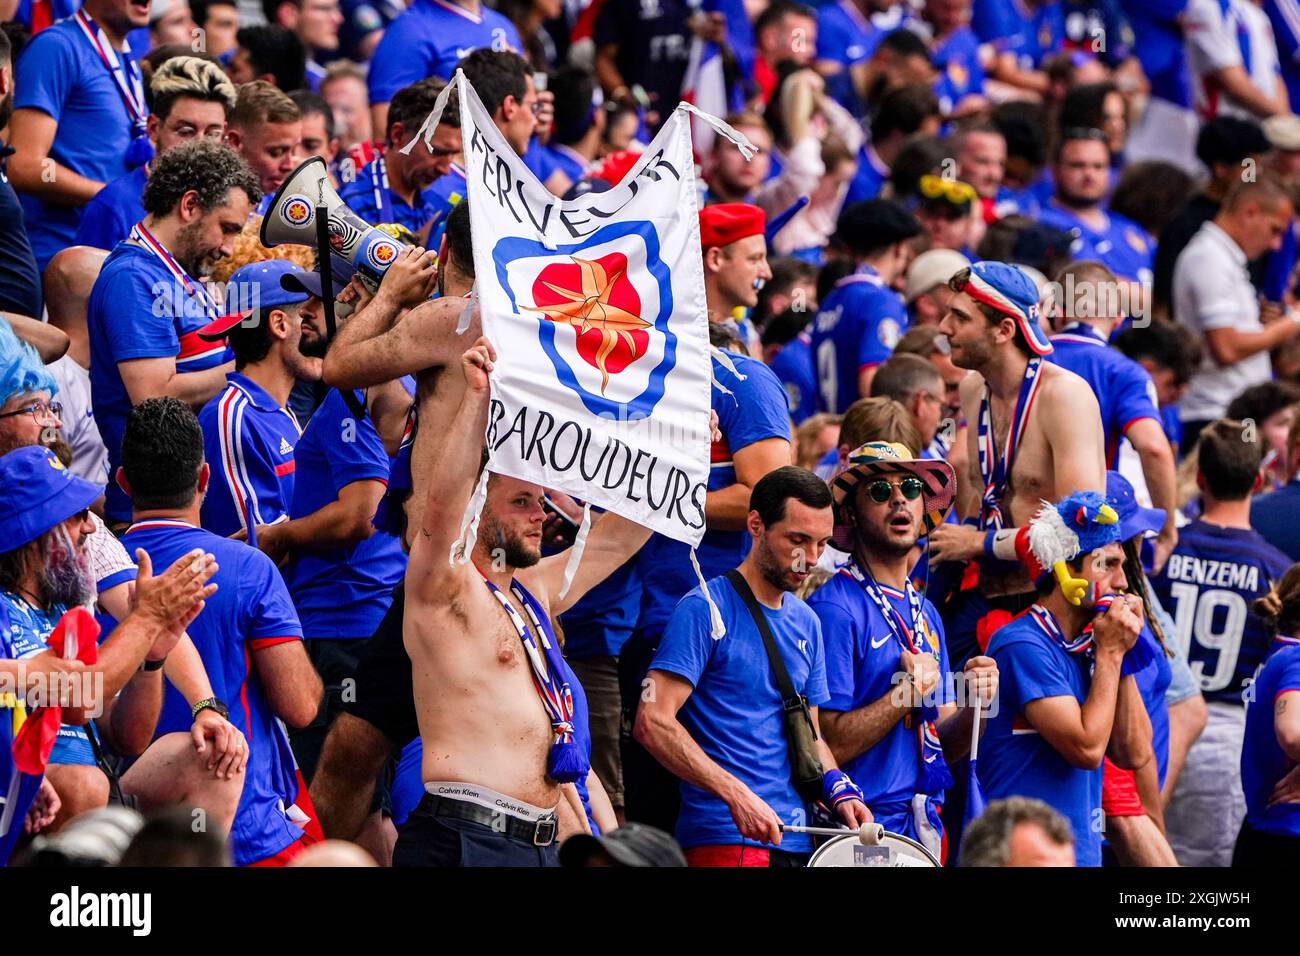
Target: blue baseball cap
{"x":1008,"y":289}
{"x":1134,"y":520}
{"x":38,"y":493}
{"x":258,"y":285}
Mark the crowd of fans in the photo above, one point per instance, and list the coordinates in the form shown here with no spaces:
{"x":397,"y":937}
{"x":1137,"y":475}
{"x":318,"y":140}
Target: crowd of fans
{"x":1006,"y":434}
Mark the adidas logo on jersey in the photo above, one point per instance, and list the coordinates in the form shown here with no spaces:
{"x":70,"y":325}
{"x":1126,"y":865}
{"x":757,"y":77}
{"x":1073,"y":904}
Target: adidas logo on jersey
{"x":285,"y":447}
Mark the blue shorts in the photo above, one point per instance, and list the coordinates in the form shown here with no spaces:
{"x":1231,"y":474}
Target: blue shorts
{"x":72,"y":747}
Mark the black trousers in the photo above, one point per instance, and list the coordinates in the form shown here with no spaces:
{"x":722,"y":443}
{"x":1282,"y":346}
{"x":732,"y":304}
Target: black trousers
{"x":651,"y":794}
{"x":430,"y":840}
{"x":1256,"y":848}
{"x":336,"y":662}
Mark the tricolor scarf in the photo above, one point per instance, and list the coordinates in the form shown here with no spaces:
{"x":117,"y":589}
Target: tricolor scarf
{"x":567,"y":762}
{"x":195,"y":290}
{"x":1046,"y":620}
{"x":379,"y":186}
{"x":934,"y":776}
{"x":995,"y":469}
{"x":130,"y":86}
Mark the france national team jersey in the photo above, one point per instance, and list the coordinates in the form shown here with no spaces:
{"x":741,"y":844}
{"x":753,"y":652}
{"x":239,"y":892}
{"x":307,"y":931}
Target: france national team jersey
{"x":373,"y":200}
{"x":341,"y":592}
{"x":107,"y":219}
{"x":858,"y":326}
{"x":1121,"y":245}
{"x":846,"y":37}
{"x":734,"y":712}
{"x":1222,"y":34}
{"x":1152,"y":682}
{"x":250,"y":611}
{"x":960,"y":74}
{"x":429,"y":39}
{"x":1014,"y":759}
{"x":249,"y":443}
{"x":862,"y":664}
{"x":1012,"y":27}
{"x":1207,"y":587}
{"x":1123,"y":388}
{"x":1263,"y":762}
{"x":61,"y":74}
{"x":444,"y":195}
{"x":18,"y":789}
{"x":755,"y":410}
{"x":1098,"y":27}
{"x":1158,"y":45}
{"x":793,"y":365}
{"x":572,"y":164}
{"x":138,"y":310}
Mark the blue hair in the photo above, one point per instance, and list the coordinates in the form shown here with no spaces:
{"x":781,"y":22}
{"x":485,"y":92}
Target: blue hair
{"x":21,"y":369}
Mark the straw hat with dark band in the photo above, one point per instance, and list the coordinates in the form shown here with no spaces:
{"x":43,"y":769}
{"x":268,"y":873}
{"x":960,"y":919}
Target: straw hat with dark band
{"x":879,"y":459}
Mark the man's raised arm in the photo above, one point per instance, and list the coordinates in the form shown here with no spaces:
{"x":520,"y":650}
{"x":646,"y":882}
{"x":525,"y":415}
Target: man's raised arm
{"x":451,"y":479}
{"x":374,"y":347}
{"x":612,"y":541}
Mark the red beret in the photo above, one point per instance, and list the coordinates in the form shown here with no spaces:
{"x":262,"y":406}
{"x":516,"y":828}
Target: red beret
{"x":729,"y":222}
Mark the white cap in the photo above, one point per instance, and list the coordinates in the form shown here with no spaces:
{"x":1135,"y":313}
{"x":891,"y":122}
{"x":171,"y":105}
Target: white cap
{"x":934,"y":267}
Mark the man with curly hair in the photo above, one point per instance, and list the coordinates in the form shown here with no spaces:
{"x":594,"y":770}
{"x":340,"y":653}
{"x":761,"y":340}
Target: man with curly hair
{"x":149,"y":302}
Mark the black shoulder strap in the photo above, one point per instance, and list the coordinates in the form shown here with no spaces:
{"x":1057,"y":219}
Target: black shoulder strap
{"x":784,"y":685}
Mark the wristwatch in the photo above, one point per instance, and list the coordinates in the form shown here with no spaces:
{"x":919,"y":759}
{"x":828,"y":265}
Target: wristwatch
{"x":147,"y":665}
{"x":211,"y":703}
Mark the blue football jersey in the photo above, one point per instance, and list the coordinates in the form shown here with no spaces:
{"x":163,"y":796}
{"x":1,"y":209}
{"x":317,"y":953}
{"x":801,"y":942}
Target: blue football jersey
{"x":1207,"y":586}
{"x":1263,"y":761}
{"x":1121,"y":245}
{"x":857,"y":327}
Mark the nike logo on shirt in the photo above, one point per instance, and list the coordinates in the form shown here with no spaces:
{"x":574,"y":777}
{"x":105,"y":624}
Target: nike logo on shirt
{"x":875,"y":644}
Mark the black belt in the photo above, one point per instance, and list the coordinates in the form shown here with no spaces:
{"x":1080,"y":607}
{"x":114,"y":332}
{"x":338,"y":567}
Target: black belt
{"x":537,"y":832}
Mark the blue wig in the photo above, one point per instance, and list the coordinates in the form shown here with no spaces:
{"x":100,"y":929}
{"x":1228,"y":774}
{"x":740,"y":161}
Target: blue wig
{"x":21,"y":369}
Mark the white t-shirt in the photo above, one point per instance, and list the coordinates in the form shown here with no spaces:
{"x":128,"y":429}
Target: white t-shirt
{"x":1212,"y":290}
{"x":89,"y":456}
{"x":1223,"y":33}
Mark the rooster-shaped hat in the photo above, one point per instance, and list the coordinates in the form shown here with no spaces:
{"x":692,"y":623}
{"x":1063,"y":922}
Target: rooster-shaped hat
{"x":1078,"y":524}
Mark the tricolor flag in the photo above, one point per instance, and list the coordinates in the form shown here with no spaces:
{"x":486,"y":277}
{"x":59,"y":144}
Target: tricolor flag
{"x":596,"y":309}
{"x":705,"y":85}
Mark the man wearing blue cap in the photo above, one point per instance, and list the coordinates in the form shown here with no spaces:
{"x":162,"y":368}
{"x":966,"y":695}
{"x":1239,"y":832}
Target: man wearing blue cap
{"x":1035,"y":436}
{"x":249,"y":432}
{"x":44,"y":571}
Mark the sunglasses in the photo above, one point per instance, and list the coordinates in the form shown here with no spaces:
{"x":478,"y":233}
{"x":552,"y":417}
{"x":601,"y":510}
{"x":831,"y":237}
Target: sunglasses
{"x":882,"y":490}
{"x":954,"y":191}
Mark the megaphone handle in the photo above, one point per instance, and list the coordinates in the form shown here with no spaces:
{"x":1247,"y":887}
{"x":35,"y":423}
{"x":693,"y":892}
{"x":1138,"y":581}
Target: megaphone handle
{"x":323,"y":253}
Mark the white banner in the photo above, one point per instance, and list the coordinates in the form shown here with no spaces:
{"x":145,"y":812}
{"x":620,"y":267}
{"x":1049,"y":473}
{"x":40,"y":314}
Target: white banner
{"x":596,"y":309}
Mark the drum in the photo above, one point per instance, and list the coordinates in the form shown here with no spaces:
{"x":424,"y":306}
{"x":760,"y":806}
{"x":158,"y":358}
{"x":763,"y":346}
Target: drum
{"x":894,"y":849}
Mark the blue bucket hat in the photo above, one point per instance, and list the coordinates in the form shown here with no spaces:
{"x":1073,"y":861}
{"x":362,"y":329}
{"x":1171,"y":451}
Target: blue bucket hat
{"x":1008,"y":289}
{"x":38,"y":493}
{"x":1134,"y":520}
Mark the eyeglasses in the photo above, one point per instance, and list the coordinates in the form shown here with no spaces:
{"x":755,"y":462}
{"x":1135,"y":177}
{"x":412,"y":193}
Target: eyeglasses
{"x":43,"y":412}
{"x":882,"y":490}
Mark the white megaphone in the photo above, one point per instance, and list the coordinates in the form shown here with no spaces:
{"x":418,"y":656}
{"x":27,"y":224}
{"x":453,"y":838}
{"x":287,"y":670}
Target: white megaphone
{"x":355,"y":245}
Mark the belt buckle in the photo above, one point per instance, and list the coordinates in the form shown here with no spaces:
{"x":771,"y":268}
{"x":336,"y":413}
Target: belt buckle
{"x":545,"y":826}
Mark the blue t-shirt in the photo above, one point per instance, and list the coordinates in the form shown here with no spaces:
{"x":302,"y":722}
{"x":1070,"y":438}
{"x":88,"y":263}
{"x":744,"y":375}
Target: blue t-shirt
{"x":1011,"y":27}
{"x":443,"y":196}
{"x":870,"y":178}
{"x":136,"y":310}
{"x":374,"y":203}
{"x":341,"y":592}
{"x":248,"y":441}
{"x":857,"y":326}
{"x":1152,"y":682}
{"x":1158,"y":45}
{"x":1208,"y":585}
{"x":600,"y":623}
{"x":109,"y":217}
{"x":250,"y":610}
{"x":60,"y":74}
{"x":862,"y":665}
{"x":845,"y":36}
{"x":734,"y":712}
{"x":429,"y":39}
{"x":565,"y":160}
{"x":755,"y":410}
{"x":1014,"y":759}
{"x":1263,"y":761}
{"x":20,"y":282}
{"x":1121,"y":245}
{"x":1123,"y":388}
{"x":1285,"y":17}
{"x":793,"y":365}
{"x":1273,"y":516}
{"x":960,"y":74}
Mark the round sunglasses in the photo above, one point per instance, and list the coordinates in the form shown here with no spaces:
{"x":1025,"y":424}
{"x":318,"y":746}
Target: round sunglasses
{"x":882,"y":490}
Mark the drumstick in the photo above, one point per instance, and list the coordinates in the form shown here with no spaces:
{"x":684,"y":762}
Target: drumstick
{"x":870,"y":834}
